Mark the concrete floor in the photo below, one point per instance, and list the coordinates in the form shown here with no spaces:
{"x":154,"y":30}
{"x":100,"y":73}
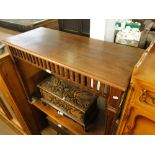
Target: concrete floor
{"x":5,"y":129}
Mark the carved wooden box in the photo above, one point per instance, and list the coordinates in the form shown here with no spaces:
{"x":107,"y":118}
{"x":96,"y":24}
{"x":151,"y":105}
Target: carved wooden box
{"x":71,"y":101}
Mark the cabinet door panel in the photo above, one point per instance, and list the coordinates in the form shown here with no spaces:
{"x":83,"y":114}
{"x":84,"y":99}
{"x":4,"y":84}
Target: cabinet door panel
{"x":140,"y":122}
{"x":144,"y":126}
{"x":5,"y":110}
{"x":14,"y":91}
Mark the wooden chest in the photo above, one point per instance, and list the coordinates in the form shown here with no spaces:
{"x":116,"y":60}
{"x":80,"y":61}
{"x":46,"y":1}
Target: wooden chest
{"x":138,"y":115}
{"x":77,"y":104}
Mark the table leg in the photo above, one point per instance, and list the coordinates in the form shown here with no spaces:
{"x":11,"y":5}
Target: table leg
{"x":113,"y":102}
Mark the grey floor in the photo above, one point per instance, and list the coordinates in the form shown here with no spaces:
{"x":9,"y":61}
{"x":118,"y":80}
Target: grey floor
{"x":5,"y":129}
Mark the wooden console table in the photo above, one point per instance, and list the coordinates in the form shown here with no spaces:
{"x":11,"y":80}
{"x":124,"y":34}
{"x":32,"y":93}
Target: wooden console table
{"x":102,"y":67}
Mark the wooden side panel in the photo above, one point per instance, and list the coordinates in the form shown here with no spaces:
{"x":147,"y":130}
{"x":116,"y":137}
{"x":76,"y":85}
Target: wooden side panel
{"x":31,"y":76}
{"x":20,"y":104}
{"x":6,"y":111}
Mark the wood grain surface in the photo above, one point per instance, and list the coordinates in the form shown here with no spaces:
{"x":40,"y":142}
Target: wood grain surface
{"x":97,"y":129}
{"x":144,"y":69}
{"x":139,"y":108}
{"x":107,"y":62}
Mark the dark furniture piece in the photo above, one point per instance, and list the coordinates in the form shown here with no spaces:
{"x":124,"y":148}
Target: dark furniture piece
{"x":23,"y":25}
{"x":77,"y":26}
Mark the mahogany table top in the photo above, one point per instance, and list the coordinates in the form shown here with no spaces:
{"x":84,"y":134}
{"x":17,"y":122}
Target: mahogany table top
{"x":104,"y":61}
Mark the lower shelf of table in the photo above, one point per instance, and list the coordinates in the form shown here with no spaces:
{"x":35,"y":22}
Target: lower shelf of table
{"x":98,"y":127}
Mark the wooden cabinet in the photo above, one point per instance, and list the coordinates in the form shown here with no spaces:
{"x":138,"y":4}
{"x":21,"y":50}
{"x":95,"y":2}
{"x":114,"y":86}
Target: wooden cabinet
{"x":14,"y":107}
{"x":7,"y":112}
{"x":138,"y":116}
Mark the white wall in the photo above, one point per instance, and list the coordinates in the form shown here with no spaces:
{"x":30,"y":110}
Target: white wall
{"x":109,"y":29}
{"x":102,"y":29}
